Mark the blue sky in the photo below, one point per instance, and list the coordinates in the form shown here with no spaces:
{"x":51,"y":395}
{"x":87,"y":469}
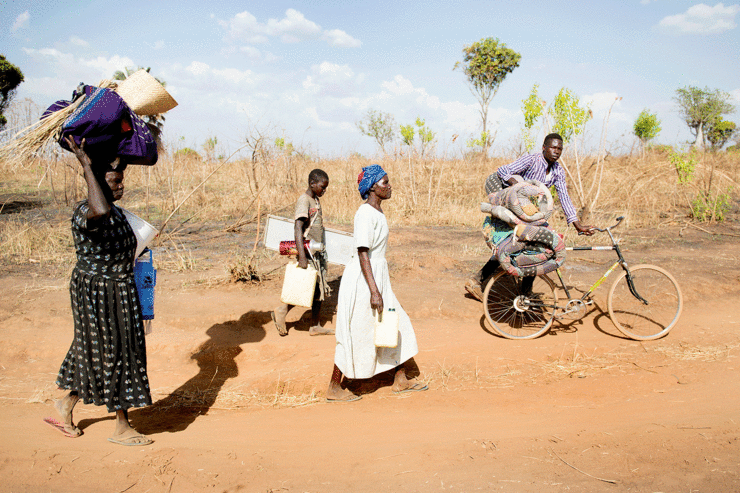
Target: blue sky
{"x":308,"y":70}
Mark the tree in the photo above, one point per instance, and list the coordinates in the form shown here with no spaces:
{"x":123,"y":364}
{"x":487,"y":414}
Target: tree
{"x":486,"y":63}
{"x":700,"y":108}
{"x":10,"y":78}
{"x":407,"y":134}
{"x":569,"y":119}
{"x":379,"y":126}
{"x":720,"y":132}
{"x":646,"y":127}
{"x":532,"y":107}
{"x":426,"y":136}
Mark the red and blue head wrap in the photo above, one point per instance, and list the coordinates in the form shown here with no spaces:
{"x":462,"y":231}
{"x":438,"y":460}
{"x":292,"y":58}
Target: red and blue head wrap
{"x":369,"y":176}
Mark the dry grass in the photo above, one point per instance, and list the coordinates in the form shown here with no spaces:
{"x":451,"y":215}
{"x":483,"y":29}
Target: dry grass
{"x":22,"y":241}
{"x":426,"y":192}
{"x":239,"y":397}
{"x":689,"y":352}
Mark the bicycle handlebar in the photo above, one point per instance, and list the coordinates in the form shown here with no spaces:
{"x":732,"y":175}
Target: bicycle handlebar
{"x":604,"y":230}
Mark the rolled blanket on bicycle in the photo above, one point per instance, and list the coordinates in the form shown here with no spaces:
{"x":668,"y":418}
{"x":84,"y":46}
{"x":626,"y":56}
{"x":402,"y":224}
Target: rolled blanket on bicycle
{"x":531,"y":251}
{"x":516,"y":204}
{"x":109,"y":127}
{"x":493,"y":183}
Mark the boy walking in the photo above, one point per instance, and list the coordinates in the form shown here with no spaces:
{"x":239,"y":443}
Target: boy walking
{"x":309,"y":225}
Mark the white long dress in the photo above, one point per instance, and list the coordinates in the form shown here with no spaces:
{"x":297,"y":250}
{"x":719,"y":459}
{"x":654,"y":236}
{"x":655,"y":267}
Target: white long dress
{"x":356,"y":355}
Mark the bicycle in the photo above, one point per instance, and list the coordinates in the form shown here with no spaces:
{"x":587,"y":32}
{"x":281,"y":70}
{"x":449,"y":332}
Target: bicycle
{"x":644,"y":302}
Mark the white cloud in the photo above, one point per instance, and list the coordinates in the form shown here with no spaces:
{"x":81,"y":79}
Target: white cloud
{"x":201,"y":73}
{"x":313,"y":115}
{"x":735,"y":96}
{"x":198,"y":68}
{"x":21,"y":22}
{"x":337,"y":37}
{"x":251,"y":52}
{"x":244,"y":27}
{"x":332,"y":80}
{"x":76,"y":41}
{"x":293,"y":28}
{"x":67,"y":64}
{"x":294,"y":24}
{"x":702,"y":19}
{"x":63,"y":71}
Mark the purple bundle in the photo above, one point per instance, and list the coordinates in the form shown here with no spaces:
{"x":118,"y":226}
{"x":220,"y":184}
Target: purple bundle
{"x":110,"y":128}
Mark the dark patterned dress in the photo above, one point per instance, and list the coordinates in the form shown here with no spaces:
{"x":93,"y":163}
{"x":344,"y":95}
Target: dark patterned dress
{"x":106,"y":363}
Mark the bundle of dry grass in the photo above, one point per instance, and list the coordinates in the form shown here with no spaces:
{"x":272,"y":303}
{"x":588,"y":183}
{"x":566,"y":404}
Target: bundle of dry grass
{"x":26,"y":144}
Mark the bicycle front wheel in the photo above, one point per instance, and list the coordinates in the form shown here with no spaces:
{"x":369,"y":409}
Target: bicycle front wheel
{"x":516,"y":314}
{"x":645,"y":321}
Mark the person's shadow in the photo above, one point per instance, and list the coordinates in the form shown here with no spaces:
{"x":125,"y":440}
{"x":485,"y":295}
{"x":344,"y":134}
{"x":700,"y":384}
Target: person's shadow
{"x":328,"y":309}
{"x":216,"y":359}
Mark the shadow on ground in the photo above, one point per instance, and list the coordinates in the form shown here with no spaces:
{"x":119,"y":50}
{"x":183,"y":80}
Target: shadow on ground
{"x":216,"y":360}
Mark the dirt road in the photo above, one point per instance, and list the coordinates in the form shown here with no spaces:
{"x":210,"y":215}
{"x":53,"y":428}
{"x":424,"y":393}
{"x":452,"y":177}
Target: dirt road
{"x":240,"y":408}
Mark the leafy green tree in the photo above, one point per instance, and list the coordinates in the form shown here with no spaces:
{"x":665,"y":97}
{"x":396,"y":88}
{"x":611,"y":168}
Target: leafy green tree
{"x":486,"y":63}
{"x":426,"y":136}
{"x":532,"y":107}
{"x":407,"y":134}
{"x":646,"y":127}
{"x":700,"y":108}
{"x":480,"y":142}
{"x":720,"y":132}
{"x":10,"y":78}
{"x":569,"y":118}
{"x":379,"y":126}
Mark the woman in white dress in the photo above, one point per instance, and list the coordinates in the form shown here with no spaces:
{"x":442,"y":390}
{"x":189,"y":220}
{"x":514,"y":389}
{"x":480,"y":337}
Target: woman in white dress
{"x":366,"y":286}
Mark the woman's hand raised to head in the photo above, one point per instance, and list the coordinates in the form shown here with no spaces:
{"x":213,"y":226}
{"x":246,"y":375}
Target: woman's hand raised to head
{"x":82,"y":156}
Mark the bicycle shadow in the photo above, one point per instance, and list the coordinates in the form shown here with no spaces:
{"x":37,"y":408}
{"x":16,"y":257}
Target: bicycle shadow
{"x":216,"y":359}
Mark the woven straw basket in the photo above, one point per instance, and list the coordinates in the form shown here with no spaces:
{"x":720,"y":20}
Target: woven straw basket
{"x":144,"y":94}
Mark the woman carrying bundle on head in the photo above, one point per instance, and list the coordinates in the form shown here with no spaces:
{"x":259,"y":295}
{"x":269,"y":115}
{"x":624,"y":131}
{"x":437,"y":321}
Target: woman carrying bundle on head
{"x":106,"y":363}
{"x":366,"y":288}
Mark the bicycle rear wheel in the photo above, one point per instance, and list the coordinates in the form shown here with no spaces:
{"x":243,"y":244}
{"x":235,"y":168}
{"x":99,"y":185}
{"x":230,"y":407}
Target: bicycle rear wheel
{"x":515,"y":314}
{"x":640,"y":321}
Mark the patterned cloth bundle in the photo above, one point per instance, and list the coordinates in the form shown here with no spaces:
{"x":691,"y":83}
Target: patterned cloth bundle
{"x":531,"y":251}
{"x":110,"y":128}
{"x":517,"y":229}
{"x":516,"y":204}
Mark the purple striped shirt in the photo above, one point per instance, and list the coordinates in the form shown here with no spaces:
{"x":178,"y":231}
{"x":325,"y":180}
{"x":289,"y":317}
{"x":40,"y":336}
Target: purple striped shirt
{"x":534,"y":167}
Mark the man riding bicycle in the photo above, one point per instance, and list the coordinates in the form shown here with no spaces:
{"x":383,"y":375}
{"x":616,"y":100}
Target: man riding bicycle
{"x":543,"y":167}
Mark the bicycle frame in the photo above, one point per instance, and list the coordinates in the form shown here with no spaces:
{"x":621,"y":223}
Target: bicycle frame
{"x":620,"y":261}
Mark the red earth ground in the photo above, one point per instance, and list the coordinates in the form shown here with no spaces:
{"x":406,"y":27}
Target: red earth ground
{"x":239,"y":408}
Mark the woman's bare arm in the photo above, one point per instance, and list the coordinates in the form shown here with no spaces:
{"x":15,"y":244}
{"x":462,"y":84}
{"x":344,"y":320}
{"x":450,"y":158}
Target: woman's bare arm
{"x":376,"y":300}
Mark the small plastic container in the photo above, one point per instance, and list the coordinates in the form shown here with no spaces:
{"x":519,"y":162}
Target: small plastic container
{"x":144,"y":231}
{"x":299,"y":285}
{"x":386,"y":328}
{"x":145,"y":276}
